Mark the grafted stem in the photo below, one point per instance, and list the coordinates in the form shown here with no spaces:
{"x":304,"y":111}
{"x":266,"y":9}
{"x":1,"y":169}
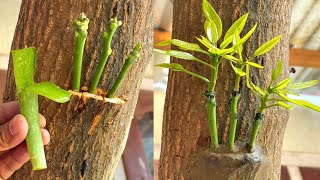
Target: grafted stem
{"x":81,"y":25}
{"x":106,"y":52}
{"x":133,"y":56}
{"x":233,"y":119}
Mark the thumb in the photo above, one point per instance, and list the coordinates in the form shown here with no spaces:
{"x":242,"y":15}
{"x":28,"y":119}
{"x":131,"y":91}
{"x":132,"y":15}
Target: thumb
{"x":13,"y":132}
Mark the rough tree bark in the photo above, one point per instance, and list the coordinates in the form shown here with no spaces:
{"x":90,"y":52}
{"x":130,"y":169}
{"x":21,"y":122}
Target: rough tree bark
{"x":47,"y":25}
{"x":185,"y":128}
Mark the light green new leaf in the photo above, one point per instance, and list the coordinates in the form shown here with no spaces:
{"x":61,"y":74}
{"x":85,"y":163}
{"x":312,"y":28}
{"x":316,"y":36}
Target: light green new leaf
{"x":302,"y":85}
{"x":267,"y":46}
{"x":255,"y":65}
{"x":276,"y":72}
{"x":231,"y":58}
{"x":179,"y":67}
{"x":226,"y":42}
{"x":206,"y":42}
{"x":237,"y":70}
{"x":50,"y":91}
{"x":285,"y":105}
{"x":285,"y":91}
{"x":182,"y":45}
{"x":211,"y":30}
{"x":258,"y":89}
{"x":236,"y":38}
{"x":222,"y":51}
{"x":238,"y":25}
{"x":182,"y":55}
{"x":282,"y":84}
{"x":212,"y":16}
{"x":246,"y":37}
{"x":300,"y":102}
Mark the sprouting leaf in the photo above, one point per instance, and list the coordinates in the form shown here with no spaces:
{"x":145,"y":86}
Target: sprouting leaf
{"x":182,"y":55}
{"x":211,"y":31}
{"x":267,"y":46}
{"x":206,"y":42}
{"x":163,"y":43}
{"x":300,"y":102}
{"x":212,"y":16}
{"x":50,"y":91}
{"x":226,"y":42}
{"x":245,"y":37}
{"x":255,"y":65}
{"x":230,"y":57}
{"x":177,"y":54}
{"x":285,"y":105}
{"x":276,"y":72}
{"x":282,"y":84}
{"x":237,"y":70}
{"x":258,"y":89}
{"x":285,"y":91}
{"x":236,"y":38}
{"x":179,"y":67}
{"x":302,"y":85}
{"x":222,"y":51}
{"x":237,"y":25}
{"x":182,"y":45}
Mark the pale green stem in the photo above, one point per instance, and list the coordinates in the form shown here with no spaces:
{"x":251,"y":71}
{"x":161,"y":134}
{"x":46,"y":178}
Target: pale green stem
{"x":106,"y":52}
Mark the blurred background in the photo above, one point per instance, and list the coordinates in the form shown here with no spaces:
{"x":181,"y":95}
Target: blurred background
{"x":301,"y":148}
{"x":137,"y":159}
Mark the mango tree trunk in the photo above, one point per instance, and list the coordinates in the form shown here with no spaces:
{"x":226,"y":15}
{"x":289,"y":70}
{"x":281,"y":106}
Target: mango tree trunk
{"x":47,"y":25}
{"x":185,"y":128}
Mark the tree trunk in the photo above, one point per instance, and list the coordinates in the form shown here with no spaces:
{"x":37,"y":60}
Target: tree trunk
{"x":47,"y":25}
{"x":185,"y":128}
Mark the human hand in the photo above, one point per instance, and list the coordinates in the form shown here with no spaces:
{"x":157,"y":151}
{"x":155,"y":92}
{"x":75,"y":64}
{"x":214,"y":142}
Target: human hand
{"x":13,"y":131}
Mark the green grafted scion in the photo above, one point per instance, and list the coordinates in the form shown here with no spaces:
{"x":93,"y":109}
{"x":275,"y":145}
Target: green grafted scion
{"x":106,"y":52}
{"x":133,"y":56}
{"x":276,"y":95}
{"x":81,"y":25}
{"x":217,"y":53}
{"x":24,"y":67}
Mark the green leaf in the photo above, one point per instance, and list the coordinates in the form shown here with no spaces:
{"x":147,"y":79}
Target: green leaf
{"x":206,"y":42}
{"x":182,"y":55}
{"x":212,"y":16}
{"x":177,"y":54}
{"x":211,"y":31}
{"x":231,"y":58}
{"x":300,"y":102}
{"x":246,"y":37}
{"x":302,"y":85}
{"x":226,"y":42}
{"x":285,"y":91}
{"x":237,"y":70}
{"x":222,"y":51}
{"x":266,"y":47}
{"x":182,"y":45}
{"x":24,"y":66}
{"x":50,"y":91}
{"x":237,"y":25}
{"x":258,"y":89}
{"x":179,"y":67}
{"x":276,"y":72}
{"x":282,"y":84}
{"x":255,"y":65}
{"x":285,"y":105}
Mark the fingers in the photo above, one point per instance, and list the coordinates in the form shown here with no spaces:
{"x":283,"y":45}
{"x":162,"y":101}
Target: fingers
{"x":13,"y":132}
{"x":18,"y":156}
{"x":8,"y":110}
{"x":42,"y":121}
{"x":12,"y":161}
